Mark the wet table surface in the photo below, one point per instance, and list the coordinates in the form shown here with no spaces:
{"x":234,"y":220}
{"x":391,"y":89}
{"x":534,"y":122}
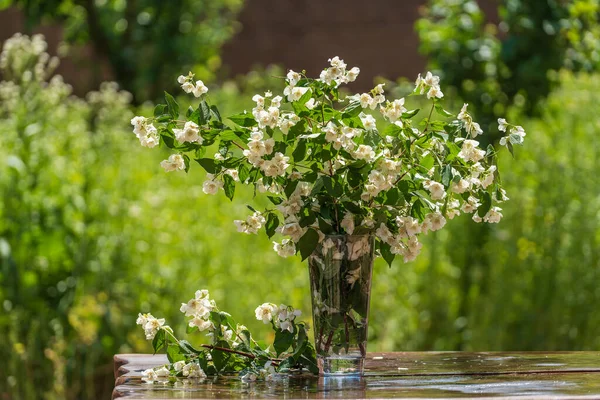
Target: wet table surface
{"x":435,"y":375}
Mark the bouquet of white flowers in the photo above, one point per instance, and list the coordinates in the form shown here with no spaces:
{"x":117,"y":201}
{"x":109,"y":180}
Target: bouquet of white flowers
{"x":343,"y":186}
{"x":329,"y":167}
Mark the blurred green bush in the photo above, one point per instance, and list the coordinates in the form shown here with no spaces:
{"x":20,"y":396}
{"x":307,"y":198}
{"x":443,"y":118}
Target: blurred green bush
{"x":145,"y":42}
{"x":494,"y":65}
{"x":92,"y":231}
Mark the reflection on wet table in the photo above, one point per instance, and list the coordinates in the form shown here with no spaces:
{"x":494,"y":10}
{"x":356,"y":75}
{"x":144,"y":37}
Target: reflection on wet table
{"x":534,"y":375}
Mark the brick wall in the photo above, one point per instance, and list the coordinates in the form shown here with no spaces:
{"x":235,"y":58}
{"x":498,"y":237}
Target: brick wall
{"x":376,"y":35}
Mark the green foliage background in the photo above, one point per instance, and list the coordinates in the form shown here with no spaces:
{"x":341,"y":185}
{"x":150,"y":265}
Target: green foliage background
{"x":92,"y":231}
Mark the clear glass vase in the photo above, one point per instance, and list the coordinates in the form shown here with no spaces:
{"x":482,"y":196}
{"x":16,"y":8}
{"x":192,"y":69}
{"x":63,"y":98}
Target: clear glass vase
{"x":340,"y":272}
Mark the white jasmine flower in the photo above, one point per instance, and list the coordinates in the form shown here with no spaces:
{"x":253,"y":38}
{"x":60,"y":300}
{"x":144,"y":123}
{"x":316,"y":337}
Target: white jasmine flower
{"x":412,"y":250}
{"x":493,"y":216}
{"x":368,"y":122}
{"x":502,"y":124}
{"x":174,"y":163}
{"x":477,"y":218}
{"x":431,"y":80}
{"x":265,"y":311}
{"x":189,"y":133}
{"x":188,"y":87}
{"x":460,"y":187}
{"x":409,"y":225}
{"x":384,"y":233}
{"x":259,"y":100}
{"x":453,"y":209}
{"x":293,"y":78}
{"x":200,"y":89}
{"x":181,"y":79}
{"x":470,"y":151}
{"x":364,"y":152}
{"x":352,"y":74}
{"x":178,"y":366}
{"x":211,"y":185}
{"x":286,"y":326}
{"x":435,"y":189}
{"x":348,"y":223}
{"x":233,"y":173}
{"x":365,"y":100}
{"x":275,"y":101}
{"x":162,"y":372}
{"x":150,"y":325}
{"x":311,"y":104}
{"x":292,"y":229}
{"x":489,"y":178}
{"x":502,"y":198}
{"x":393,"y":111}
{"x":193,"y":370}
{"x":434,"y":92}
{"x":470,"y":205}
{"x":436,"y":220}
{"x":294,"y":93}
{"x":149,"y":375}
{"x":516,"y":136}
{"x":471,"y":127}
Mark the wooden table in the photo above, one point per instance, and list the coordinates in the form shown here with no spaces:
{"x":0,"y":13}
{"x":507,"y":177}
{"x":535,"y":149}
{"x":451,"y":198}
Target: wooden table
{"x":535,"y":375}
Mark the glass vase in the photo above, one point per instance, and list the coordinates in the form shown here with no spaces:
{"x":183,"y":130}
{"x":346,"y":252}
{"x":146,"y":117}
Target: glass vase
{"x":340,"y":271}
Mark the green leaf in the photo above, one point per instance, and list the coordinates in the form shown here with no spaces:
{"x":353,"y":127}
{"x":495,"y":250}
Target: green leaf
{"x":172,"y":106}
{"x":486,"y":204}
{"x":275,"y":200}
{"x":410,"y":114}
{"x":186,"y":161}
{"x":447,"y":175}
{"x":246,"y":120}
{"x":372,"y":139}
{"x":352,"y":110}
{"x":392,"y":197}
{"x":386,"y":253}
{"x":228,"y":186}
{"x":300,"y":151}
{"x":208,"y":164}
{"x":305,"y":97}
{"x":187,"y":348}
{"x":272,"y":224}
{"x":317,"y":186}
{"x":290,"y":188}
{"x":215,"y":111}
{"x":308,"y":243}
{"x":308,"y":359}
{"x":159,"y":110}
{"x":243,"y":172}
{"x":174,"y":353}
{"x":309,"y":218}
{"x":324,"y":226}
{"x":333,"y":188}
{"x":515,"y":139}
{"x":283,"y":341}
{"x":510,"y":148}
{"x":352,"y":207}
{"x":392,"y":130}
{"x":204,"y":113}
{"x":159,"y":340}
{"x":219,"y":357}
{"x":440,"y":110}
{"x":417,"y":210}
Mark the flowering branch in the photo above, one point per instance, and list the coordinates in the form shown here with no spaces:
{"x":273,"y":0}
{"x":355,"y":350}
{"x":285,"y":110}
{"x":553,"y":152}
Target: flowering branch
{"x":233,"y":350}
